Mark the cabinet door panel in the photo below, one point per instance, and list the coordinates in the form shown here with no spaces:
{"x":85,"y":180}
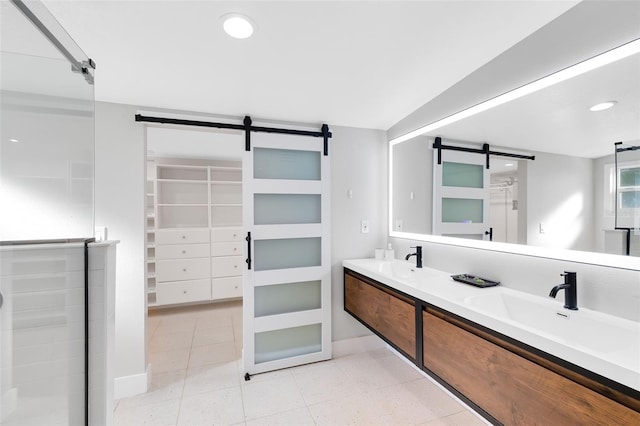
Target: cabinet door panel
{"x":226,"y":266}
{"x":389,"y":315}
{"x":183,"y":269}
{"x":182,"y":236}
{"x":170,"y":293}
{"x":511,"y":388}
{"x":226,"y":234}
{"x":226,"y":249}
{"x":224,"y":288}
{"x":182,"y":251}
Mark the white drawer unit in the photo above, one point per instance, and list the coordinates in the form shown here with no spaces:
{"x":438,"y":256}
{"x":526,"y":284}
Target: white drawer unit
{"x":182,"y":236}
{"x":182,"y":251}
{"x":183,"y":292}
{"x":226,"y":288}
{"x":226,"y":249}
{"x":226,"y":266}
{"x":183,"y":269}
{"x":227,"y":234}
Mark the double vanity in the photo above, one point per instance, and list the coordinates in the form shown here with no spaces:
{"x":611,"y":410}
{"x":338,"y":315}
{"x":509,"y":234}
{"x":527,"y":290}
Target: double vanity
{"x":516,"y":358}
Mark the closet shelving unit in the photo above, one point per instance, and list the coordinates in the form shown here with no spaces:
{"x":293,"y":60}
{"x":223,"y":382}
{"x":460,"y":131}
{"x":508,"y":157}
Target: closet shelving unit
{"x":197,"y":253}
{"x":150,"y":189}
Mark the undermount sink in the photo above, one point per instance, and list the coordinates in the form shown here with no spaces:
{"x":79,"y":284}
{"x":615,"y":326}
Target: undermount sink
{"x":403,"y":270}
{"x":576,"y":328}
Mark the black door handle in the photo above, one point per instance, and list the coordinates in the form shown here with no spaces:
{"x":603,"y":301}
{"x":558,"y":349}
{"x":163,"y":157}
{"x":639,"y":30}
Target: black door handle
{"x":489,"y":233}
{"x":248,"y":250}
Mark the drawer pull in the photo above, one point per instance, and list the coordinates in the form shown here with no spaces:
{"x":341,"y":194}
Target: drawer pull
{"x":184,"y":269}
{"x":184,"y":251}
{"x":235,"y":249}
{"x":235,"y":266}
{"x":184,"y":291}
{"x":184,"y":237}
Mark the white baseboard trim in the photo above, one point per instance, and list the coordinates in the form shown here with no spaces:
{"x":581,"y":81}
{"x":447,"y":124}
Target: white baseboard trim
{"x":126,"y":386}
{"x":357,"y":345}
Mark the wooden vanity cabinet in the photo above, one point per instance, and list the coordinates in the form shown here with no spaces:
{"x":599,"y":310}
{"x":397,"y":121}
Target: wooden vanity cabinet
{"x":387,"y":313}
{"x":509,"y":387}
{"x":506,"y":381}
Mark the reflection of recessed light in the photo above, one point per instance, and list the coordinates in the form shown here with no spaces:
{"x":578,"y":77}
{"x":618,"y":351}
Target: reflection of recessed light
{"x":508,"y":165}
{"x":602,"y":106}
{"x":14,"y":140}
{"x":237,"y":26}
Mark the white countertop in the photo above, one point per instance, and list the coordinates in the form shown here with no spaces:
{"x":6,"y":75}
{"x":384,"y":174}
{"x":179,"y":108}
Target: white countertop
{"x":438,"y":288}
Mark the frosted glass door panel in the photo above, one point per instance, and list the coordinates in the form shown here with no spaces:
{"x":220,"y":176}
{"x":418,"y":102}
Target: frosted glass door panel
{"x":461,"y":210}
{"x":271,"y":163}
{"x":275,"y":209}
{"x":287,"y":343}
{"x":286,"y":298}
{"x":287,"y":253}
{"x":462,"y":175}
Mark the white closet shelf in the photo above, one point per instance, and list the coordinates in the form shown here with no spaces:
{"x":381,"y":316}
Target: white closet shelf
{"x":194,"y":181}
{"x":226,"y":205}
{"x":183,"y":205}
{"x":225,"y":182}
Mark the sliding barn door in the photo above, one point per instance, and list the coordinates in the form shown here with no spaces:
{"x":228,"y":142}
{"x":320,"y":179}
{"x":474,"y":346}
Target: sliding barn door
{"x":287,"y":278}
{"x":461,"y":196}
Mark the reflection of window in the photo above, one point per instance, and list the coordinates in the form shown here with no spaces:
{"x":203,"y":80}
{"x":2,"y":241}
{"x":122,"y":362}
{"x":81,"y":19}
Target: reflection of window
{"x":627,"y":196}
{"x":629,"y":187}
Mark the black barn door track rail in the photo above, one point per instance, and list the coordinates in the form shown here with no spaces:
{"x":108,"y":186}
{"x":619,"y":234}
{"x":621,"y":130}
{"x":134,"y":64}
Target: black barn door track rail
{"x":247,"y":126}
{"x":485,"y":150}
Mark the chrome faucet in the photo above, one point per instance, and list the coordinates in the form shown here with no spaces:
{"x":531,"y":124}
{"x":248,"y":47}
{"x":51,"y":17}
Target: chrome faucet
{"x":418,"y":255}
{"x":570,"y":288}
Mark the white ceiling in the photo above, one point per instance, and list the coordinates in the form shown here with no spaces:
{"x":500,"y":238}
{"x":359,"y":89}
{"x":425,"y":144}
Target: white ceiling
{"x":558,"y":120}
{"x":353,"y":63}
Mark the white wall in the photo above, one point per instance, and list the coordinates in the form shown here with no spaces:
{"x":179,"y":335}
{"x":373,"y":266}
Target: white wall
{"x":413,"y":173}
{"x":611,"y":290}
{"x":119,"y":205}
{"x":359,"y":164}
{"x":560,"y":197}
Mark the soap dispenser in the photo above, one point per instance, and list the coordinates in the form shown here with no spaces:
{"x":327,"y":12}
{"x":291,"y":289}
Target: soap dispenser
{"x":389,"y":253}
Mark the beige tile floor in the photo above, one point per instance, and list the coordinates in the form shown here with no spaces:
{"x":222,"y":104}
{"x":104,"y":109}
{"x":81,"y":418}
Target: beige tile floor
{"x":198,"y":380}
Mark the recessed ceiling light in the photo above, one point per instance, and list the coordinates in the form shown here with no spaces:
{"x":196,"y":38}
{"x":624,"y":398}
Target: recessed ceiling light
{"x":602,"y":106}
{"x":14,"y":140}
{"x":508,"y":165}
{"x":237,"y":26}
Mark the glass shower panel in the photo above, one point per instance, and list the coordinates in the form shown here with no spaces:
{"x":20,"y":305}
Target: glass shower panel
{"x":46,"y":194}
{"x":287,"y":343}
{"x":287,"y":253}
{"x":42,"y":335}
{"x":462,"y":210}
{"x":270,"y":163}
{"x":46,"y":138}
{"x":462,"y":175}
{"x":285,"y":298}
{"x":275,"y":209}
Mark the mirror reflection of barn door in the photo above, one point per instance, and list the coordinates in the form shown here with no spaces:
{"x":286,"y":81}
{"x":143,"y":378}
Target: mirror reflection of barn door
{"x":287,"y":279}
{"x":461,"y":196}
